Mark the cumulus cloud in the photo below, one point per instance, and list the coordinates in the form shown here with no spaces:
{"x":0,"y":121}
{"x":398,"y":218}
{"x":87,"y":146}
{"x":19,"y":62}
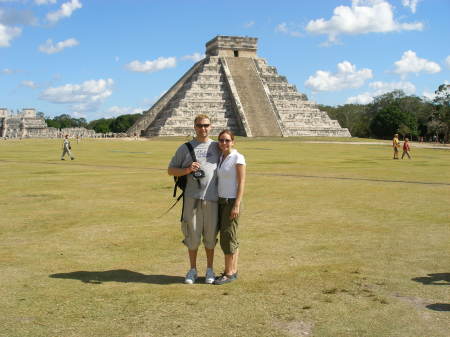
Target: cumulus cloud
{"x":7,"y":34}
{"x":447,"y":61}
{"x":64,"y":11}
{"x":346,"y":77}
{"x":194,"y":57}
{"x":50,"y":48}
{"x":151,"y":66}
{"x":370,"y":16}
{"x":380,"y":88}
{"x":411,"y":4}
{"x":87,"y":96}
{"x":287,"y":29}
{"x":410,"y":63}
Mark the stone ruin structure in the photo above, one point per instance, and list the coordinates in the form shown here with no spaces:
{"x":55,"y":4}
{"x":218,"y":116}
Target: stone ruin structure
{"x":27,"y":124}
{"x":239,"y":91}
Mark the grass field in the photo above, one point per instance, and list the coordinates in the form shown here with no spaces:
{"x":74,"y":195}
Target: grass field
{"x":336,"y":240}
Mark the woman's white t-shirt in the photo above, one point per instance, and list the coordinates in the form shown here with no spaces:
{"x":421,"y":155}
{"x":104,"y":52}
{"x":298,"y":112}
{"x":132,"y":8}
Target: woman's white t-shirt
{"x":227,"y":175}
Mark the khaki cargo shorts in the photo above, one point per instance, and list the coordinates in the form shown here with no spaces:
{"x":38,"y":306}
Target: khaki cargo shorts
{"x":200,"y":218}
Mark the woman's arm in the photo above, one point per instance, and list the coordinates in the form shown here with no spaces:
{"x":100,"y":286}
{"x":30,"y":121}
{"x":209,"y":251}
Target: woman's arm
{"x":240,"y":170}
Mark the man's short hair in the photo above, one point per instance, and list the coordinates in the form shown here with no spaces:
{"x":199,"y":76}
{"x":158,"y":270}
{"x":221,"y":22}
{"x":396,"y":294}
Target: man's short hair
{"x":200,"y":117}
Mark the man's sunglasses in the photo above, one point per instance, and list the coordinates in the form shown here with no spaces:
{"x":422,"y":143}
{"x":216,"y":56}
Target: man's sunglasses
{"x":202,"y":125}
{"x":223,"y":140}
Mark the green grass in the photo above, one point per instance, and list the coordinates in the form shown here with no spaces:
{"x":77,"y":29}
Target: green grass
{"x":336,"y":240}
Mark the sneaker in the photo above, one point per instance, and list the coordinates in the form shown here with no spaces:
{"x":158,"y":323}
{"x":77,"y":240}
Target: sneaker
{"x":225,"y":279}
{"x":191,"y":276}
{"x":209,"y":277}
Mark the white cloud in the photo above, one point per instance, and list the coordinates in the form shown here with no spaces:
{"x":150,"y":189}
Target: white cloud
{"x":380,"y":88}
{"x":364,"y":98}
{"x":370,"y":16}
{"x":8,"y":71}
{"x":384,"y":87}
{"x":8,"y":33}
{"x":411,"y":4}
{"x":410,"y":63}
{"x":447,"y":61}
{"x":346,"y":77}
{"x":151,"y":66}
{"x":115,"y":111}
{"x":64,"y":11}
{"x":429,"y":95}
{"x":29,"y":84}
{"x":287,"y":29}
{"x":49,"y":48}
{"x":44,"y":2}
{"x":249,"y":24}
{"x":86,"y":96}
{"x":194,"y":57}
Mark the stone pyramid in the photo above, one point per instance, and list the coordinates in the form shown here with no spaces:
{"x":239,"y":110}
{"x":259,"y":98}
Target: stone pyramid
{"x":238,"y":91}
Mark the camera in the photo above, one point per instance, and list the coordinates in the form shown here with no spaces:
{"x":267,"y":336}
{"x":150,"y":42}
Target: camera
{"x":199,"y":174}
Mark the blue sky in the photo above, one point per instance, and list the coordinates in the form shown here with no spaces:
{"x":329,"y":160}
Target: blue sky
{"x":104,"y":58}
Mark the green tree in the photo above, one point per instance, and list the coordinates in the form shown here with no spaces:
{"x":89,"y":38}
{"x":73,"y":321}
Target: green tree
{"x":440,"y":120}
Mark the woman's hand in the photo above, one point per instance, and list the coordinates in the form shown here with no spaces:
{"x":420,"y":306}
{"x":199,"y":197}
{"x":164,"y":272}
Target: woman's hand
{"x":234,"y":212}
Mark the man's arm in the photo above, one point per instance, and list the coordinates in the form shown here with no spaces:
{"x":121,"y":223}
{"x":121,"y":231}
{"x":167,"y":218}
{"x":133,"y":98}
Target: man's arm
{"x":178,"y":172}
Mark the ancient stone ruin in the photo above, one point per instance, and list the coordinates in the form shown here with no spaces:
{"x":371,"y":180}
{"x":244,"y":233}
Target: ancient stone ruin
{"x":26,"y":124}
{"x":239,"y":91}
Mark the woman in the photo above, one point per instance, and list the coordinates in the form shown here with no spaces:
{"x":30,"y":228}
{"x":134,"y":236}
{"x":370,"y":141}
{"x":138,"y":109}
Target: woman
{"x":231,"y":176}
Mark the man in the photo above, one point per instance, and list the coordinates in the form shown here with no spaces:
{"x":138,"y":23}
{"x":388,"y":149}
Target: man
{"x":67,"y":148}
{"x":395,"y":145}
{"x":200,"y":208}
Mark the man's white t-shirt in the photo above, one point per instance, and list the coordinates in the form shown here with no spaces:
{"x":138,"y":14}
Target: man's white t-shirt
{"x":227,"y":174}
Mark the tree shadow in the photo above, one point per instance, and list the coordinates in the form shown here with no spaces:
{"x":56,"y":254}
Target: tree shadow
{"x":434,"y":279}
{"x":439,"y":307}
{"x":119,"y":275}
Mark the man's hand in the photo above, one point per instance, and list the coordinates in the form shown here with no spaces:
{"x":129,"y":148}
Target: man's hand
{"x":195,"y":166}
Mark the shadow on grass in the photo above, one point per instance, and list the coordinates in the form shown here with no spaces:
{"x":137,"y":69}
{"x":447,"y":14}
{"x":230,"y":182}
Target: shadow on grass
{"x":119,"y":275}
{"x":439,"y":307}
{"x":434,"y":279}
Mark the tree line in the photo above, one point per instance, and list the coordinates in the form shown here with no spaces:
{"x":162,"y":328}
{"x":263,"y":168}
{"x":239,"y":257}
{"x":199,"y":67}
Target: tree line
{"x":102,"y":125}
{"x":395,"y":112}
{"x":390,"y":113}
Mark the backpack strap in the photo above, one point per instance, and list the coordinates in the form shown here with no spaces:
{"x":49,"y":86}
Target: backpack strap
{"x":191,"y":151}
{"x":194,"y":158}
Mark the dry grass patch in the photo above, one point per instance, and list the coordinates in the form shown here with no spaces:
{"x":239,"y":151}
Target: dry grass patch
{"x":336,"y":240}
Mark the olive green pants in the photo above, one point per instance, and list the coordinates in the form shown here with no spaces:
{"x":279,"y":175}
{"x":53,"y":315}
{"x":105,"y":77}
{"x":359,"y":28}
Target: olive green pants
{"x":227,"y":227}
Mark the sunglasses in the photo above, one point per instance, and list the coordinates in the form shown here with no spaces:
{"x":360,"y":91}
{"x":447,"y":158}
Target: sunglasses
{"x":223,"y":140}
{"x":202,"y":125}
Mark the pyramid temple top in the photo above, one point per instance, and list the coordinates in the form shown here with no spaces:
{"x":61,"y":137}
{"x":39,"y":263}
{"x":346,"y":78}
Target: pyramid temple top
{"x":233,"y":46}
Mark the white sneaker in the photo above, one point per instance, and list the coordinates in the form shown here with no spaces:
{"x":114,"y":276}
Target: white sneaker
{"x":209,"y":277}
{"x":191,"y":276}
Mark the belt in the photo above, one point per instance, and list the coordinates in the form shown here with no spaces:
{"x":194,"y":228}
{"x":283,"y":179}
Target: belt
{"x":227,"y":200}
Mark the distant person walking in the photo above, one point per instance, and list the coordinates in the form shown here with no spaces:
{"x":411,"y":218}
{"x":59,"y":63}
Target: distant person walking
{"x":406,"y":148}
{"x":395,"y":145}
{"x":231,"y":175}
{"x":66,"y":148}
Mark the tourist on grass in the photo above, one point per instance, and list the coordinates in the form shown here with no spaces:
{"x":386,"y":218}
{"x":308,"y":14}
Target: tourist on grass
{"x":200,"y":209}
{"x":66,"y":148}
{"x":395,"y":145}
{"x":406,"y":148}
{"x":231,"y":175}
